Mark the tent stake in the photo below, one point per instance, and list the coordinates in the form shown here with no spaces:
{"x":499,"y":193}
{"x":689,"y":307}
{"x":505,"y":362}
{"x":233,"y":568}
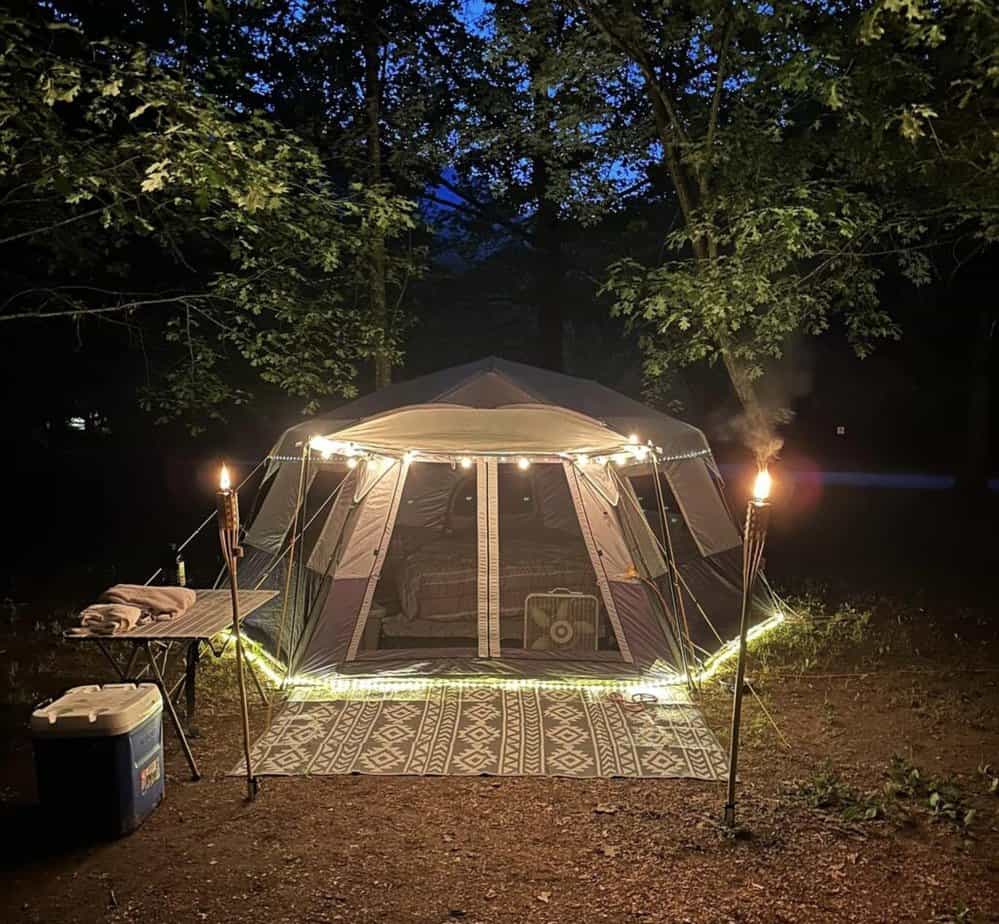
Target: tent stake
{"x":754,"y":539}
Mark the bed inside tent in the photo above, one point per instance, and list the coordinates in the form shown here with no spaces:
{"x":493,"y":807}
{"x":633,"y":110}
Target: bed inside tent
{"x":500,"y":521}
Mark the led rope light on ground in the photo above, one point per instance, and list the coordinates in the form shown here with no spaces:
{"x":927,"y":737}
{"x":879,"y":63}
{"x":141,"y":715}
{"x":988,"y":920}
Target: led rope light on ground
{"x":664,"y":687}
{"x":731,"y":648}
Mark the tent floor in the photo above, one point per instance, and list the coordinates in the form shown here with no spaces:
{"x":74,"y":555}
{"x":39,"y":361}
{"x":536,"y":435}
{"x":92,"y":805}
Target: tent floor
{"x":453,"y":729}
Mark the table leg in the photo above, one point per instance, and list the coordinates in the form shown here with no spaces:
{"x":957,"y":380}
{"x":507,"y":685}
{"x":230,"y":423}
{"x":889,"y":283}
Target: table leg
{"x":195,"y":773}
{"x":190,"y":680}
{"x":132,"y":658}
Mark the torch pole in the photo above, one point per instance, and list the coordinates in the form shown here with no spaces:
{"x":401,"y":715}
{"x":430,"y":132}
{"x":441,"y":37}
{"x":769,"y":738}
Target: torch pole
{"x":753,"y":541}
{"x":228,"y":509}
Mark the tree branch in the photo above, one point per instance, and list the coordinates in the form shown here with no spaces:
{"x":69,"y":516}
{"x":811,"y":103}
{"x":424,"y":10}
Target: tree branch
{"x":86,"y":312}
{"x":709,"y":139}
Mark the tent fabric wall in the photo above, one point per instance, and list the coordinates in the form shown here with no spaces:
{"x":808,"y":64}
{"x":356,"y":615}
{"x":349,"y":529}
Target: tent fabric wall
{"x":366,"y":536}
{"x":331,"y":534}
{"x":380,"y":550}
{"x":642,"y":624}
{"x":273,"y":519}
{"x":702,"y":505}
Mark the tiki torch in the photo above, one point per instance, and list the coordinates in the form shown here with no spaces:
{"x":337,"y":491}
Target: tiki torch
{"x":753,"y":540}
{"x":227,"y":503}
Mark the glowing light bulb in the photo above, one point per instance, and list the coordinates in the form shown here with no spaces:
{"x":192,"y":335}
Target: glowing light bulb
{"x":224,"y":481}
{"x":620,"y":458}
{"x":523,"y":464}
{"x":582,"y":459}
{"x":762,"y":485}
{"x":323,"y":446}
{"x":352,"y":462}
{"x":466,"y":462}
{"x":633,"y":438}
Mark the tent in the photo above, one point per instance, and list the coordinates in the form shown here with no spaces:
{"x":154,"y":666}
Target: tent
{"x":493,"y":519}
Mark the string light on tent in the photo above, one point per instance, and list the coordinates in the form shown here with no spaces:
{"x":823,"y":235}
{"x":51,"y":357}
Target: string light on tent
{"x":523,"y":463}
{"x":582,"y":459}
{"x":409,"y":456}
{"x":466,"y":462}
{"x":620,"y":458}
{"x":352,"y":462}
{"x":323,"y":446}
{"x":633,"y":439}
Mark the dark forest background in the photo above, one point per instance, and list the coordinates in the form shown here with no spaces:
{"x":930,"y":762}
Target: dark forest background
{"x":220,"y":215}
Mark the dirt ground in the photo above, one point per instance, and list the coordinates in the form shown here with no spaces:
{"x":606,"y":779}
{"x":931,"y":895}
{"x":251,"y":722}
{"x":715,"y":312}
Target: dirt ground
{"x":847,"y":694}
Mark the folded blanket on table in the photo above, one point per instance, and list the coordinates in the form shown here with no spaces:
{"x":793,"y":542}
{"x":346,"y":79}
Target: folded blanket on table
{"x":109,"y":618}
{"x":155,"y":602}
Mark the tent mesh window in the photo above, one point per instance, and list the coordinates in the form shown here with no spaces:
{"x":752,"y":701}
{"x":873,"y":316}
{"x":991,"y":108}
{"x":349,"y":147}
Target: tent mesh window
{"x":549,"y":601}
{"x":426,"y":596}
{"x":684,"y":547}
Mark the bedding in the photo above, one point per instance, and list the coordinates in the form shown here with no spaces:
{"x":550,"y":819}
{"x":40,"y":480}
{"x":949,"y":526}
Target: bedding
{"x":437,"y":581}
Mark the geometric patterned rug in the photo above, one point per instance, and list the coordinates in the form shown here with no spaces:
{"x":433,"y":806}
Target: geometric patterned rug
{"x":472,"y":730}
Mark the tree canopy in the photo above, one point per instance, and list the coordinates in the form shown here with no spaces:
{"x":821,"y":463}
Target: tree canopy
{"x":722,"y":177}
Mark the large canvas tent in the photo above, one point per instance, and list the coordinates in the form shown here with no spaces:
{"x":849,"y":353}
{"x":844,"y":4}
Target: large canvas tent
{"x":493,"y":519}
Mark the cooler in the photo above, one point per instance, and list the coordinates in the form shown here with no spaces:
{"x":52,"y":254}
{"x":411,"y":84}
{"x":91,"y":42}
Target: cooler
{"x":99,"y":757}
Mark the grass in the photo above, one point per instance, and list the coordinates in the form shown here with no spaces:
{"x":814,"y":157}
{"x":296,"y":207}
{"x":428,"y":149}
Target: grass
{"x":906,"y":793}
{"x":816,"y":635}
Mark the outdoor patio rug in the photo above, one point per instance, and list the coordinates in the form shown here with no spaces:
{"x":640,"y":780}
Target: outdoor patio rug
{"x":469,"y":730}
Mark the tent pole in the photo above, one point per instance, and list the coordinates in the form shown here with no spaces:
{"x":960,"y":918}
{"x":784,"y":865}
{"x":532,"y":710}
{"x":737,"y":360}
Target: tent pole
{"x":291,"y":555}
{"x":754,"y":538}
{"x":676,"y":597}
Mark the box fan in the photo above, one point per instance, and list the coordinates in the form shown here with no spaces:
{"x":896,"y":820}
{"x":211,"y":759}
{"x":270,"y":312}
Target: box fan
{"x":561,"y":620}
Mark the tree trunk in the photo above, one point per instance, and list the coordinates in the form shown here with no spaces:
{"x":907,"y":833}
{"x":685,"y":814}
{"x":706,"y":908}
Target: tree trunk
{"x":378,"y":301}
{"x":549,"y":271}
{"x":974,"y":477}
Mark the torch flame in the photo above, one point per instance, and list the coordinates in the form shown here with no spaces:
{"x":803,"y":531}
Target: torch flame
{"x":224,"y":482}
{"x":761,"y":488}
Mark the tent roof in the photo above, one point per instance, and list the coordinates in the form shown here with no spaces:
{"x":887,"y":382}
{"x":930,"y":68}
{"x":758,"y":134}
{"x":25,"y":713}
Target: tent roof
{"x":494,"y":383}
{"x":456,"y":429}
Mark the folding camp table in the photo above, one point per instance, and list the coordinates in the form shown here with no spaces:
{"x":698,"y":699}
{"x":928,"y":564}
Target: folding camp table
{"x":210,"y":615}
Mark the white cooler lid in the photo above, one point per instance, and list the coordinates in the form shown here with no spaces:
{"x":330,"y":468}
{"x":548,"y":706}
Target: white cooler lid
{"x":109,"y":709}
